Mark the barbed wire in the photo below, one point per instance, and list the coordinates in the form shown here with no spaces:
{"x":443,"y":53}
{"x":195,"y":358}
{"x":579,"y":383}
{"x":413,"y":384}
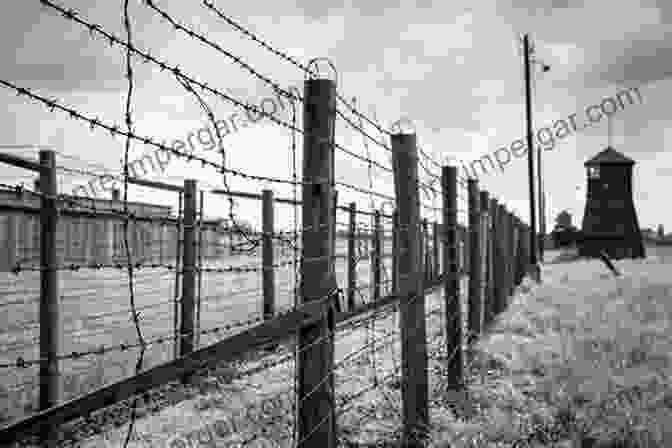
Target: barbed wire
{"x":204,"y":40}
{"x":210,"y":5}
{"x":129,"y":128}
{"x":94,"y":29}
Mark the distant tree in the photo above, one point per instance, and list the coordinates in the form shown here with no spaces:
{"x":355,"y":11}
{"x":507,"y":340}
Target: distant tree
{"x":661,"y":231}
{"x":563,"y":220}
{"x":564,"y":233}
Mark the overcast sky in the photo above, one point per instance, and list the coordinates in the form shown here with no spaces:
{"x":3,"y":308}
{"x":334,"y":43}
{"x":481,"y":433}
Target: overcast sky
{"x":454,"y":68}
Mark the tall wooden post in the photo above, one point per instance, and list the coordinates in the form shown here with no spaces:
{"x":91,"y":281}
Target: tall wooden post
{"x":453,"y":302}
{"x":436,"y":271}
{"x":513,"y":245}
{"x":268,"y":278}
{"x":188,"y":269}
{"x":475,"y":266}
{"x":412,"y":311}
{"x":50,"y":323}
{"x":494,"y":261}
{"x":525,"y":249}
{"x":484,"y":202}
{"x":333,"y":229}
{"x":178,"y":258}
{"x":12,"y":241}
{"x":376,"y":265}
{"x":500,"y":268}
{"x":352,"y":254}
{"x":316,"y":424}
{"x":506,"y":230}
{"x":395,"y":251}
{"x":422,"y":251}
{"x":197,"y":334}
{"x":519,"y":251}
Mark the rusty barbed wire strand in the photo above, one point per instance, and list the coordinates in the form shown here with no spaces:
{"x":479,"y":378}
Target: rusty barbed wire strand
{"x":210,"y":5}
{"x":203,"y":39}
{"x":129,"y":128}
{"x":94,"y":29}
{"x":253,"y":244}
{"x":115,"y":130}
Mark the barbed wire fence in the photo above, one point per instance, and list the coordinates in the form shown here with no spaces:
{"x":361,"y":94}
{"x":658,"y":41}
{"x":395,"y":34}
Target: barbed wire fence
{"x":319,"y":319}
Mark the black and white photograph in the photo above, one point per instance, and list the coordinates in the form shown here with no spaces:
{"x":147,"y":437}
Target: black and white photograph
{"x":331,"y":223}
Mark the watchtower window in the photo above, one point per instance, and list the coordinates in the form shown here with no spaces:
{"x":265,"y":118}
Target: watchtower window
{"x":593,"y":172}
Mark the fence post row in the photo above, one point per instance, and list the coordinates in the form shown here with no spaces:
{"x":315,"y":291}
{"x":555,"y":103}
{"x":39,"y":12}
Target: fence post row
{"x":189,"y":269}
{"x":484,"y":202}
{"x":411,"y":286}
{"x":452,"y":295}
{"x":50,"y":323}
{"x":316,"y":425}
{"x":268,"y":272}
{"x":474,"y":261}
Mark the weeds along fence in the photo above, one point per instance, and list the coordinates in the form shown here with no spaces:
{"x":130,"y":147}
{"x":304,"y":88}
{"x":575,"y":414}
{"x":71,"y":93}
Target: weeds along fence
{"x":309,"y":298}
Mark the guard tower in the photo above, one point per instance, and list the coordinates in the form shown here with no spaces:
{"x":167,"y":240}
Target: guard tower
{"x":610,"y":221}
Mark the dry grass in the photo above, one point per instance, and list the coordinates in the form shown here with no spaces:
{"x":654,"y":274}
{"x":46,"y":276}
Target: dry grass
{"x":584,"y":355}
{"x":582,"y":360}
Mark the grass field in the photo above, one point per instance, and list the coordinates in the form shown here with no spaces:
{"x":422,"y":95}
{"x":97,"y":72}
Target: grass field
{"x":95,"y":312}
{"x":582,"y":359}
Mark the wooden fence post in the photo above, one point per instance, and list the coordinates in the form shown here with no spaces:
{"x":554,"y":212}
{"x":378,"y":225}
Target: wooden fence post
{"x":334,"y":220}
{"x":197,"y":328}
{"x":12,"y":241}
{"x":178,"y":269}
{"x":315,"y":401}
{"x":484,"y":202}
{"x":505,"y":258}
{"x":521,"y":251}
{"x":475,"y":265}
{"x":376,"y":265}
{"x":512,"y":254}
{"x":422,"y":251}
{"x":395,"y":251}
{"x":494,"y":261}
{"x":189,"y":269}
{"x":452,"y":297}
{"x":526,"y":254}
{"x":508,"y":245}
{"x":352,"y":254}
{"x":436,"y":271}
{"x":50,"y":323}
{"x":518,"y":274}
{"x":268,"y":278}
{"x":501,"y":258}
{"x":412,"y":310}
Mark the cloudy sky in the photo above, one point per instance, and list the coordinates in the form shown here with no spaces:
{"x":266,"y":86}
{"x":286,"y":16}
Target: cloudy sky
{"x":453,"y":68}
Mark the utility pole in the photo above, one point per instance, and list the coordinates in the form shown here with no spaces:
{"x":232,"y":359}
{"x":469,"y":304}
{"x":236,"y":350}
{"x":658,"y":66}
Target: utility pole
{"x":530,"y":159}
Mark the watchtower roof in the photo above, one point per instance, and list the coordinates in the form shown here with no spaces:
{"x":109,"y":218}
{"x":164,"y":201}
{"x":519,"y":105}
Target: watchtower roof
{"x":609,"y":156}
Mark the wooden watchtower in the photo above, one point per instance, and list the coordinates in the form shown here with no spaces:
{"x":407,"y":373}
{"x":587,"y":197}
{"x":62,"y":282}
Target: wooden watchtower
{"x":610,"y":221}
